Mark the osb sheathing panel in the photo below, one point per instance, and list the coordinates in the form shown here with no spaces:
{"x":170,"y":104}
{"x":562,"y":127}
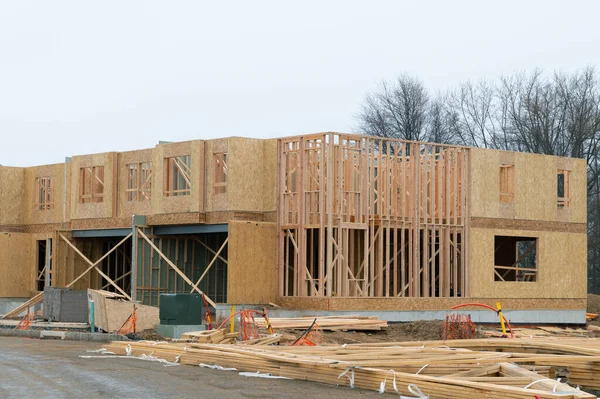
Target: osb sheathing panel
{"x":578,"y":190}
{"x":484,"y":183}
{"x":561,"y":265}
{"x":32,"y":214}
{"x":16,"y":262}
{"x":226,"y":216}
{"x":270,"y":176}
{"x":105,"y":223}
{"x":252,"y":174}
{"x":11,"y":195}
{"x":173,"y":218}
{"x":535,"y":186}
{"x":416,"y":304}
{"x":185,"y":203}
{"x":252,"y":267}
{"x":93,"y":210}
{"x":216,"y":202}
{"x":127,"y":208}
{"x":534,"y":225}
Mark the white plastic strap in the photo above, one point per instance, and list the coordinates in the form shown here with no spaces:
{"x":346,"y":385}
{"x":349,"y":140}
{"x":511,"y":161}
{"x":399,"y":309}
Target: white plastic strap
{"x":142,"y":357}
{"x":383,"y":383}
{"x":415,"y":390}
{"x":350,"y":377}
{"x":544,"y":379}
{"x":217,"y":367}
{"x":263,"y":375}
{"x":421,"y":369}
{"x":412,"y":388}
{"x":101,"y":351}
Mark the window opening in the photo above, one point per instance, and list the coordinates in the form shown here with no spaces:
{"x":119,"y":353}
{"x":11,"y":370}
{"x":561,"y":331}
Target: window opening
{"x":177,"y":172}
{"x":515,"y":258}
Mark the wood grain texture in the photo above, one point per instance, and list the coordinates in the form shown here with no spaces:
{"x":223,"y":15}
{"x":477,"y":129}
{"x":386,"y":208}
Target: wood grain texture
{"x":561,"y":265}
{"x":17,"y":261}
{"x":252,"y":256}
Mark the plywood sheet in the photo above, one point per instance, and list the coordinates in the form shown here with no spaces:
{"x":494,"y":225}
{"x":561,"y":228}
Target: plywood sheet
{"x":252,"y":268}
{"x":485,"y":183}
{"x":128,"y":208}
{"x":216,"y":202}
{"x":184,"y":203}
{"x":110,"y":314}
{"x":11,"y":198}
{"x":17,"y":260}
{"x":535,"y":185}
{"x":561,"y":263}
{"x":251,"y":185}
{"x":173,"y":218}
{"x":32,"y":214}
{"x":93,"y":210}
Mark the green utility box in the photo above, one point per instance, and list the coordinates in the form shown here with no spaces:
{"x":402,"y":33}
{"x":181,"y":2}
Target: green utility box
{"x":181,"y":309}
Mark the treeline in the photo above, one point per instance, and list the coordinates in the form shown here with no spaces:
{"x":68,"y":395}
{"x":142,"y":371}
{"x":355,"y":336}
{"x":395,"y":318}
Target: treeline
{"x":553,"y":114}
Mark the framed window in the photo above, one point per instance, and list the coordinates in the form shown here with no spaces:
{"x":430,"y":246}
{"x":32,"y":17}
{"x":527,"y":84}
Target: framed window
{"x":515,"y":258}
{"x":139,"y":181}
{"x":44,"y":193}
{"x":177,"y":176}
{"x":91,"y":184}
{"x":563,"y":182}
{"x":507,"y":183}
{"x":220,"y":184}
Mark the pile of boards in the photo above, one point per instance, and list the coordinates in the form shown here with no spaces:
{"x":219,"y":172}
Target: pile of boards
{"x":326,"y":323}
{"x":479,"y":368}
{"x":541,"y":331}
{"x":211,"y":337}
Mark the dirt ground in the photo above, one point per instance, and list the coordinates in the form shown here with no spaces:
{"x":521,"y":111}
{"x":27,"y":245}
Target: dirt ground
{"x":31,"y":368}
{"x":594,"y":307}
{"x":414,"y":331}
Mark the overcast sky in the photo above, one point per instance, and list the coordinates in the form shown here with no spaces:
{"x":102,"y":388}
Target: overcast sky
{"x":77,"y":78}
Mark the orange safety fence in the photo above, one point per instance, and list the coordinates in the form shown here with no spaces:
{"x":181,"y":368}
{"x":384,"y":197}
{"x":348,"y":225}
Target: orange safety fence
{"x":25,"y":322}
{"x":129,"y":326}
{"x":458,"y":326}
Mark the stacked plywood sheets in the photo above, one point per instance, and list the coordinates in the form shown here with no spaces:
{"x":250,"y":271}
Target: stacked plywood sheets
{"x":111,"y":311}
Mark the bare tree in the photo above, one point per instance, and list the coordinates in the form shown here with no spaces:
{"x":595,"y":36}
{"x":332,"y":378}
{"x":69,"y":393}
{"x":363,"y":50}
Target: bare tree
{"x":396,"y":110}
{"x":440,"y":122}
{"x":556,"y":114}
{"x":474,"y":109}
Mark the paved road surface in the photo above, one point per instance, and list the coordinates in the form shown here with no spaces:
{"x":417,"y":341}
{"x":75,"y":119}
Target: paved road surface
{"x":53,"y":369}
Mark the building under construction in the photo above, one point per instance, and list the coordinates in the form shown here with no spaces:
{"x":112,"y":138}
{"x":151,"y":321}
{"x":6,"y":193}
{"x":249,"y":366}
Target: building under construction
{"x":321,"y":222}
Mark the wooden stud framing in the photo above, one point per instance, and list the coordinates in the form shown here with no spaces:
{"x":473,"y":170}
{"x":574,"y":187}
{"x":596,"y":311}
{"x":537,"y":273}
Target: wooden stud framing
{"x":389,"y":217}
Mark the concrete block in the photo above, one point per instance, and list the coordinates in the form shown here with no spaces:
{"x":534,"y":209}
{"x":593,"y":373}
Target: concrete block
{"x":65,"y":305}
{"x":52,"y":334}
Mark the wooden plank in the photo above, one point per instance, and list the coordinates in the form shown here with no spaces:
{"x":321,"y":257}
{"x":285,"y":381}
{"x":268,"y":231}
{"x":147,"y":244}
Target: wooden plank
{"x":212,"y":262}
{"x":174,"y":267}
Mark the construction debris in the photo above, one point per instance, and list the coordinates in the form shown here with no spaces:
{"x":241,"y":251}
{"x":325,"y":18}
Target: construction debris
{"x":524,"y":369}
{"x":326,"y":323}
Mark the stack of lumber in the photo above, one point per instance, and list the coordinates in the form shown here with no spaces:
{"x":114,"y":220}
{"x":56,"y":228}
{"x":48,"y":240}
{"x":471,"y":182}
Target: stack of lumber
{"x":541,"y":331}
{"x":267,"y":340}
{"x":211,"y":336}
{"x":591,"y":316}
{"x":326,"y":323}
{"x":492,"y":368}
